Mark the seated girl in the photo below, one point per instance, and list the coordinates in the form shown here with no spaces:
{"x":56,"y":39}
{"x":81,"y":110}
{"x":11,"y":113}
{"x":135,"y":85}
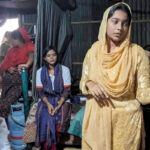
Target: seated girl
{"x":53,"y":83}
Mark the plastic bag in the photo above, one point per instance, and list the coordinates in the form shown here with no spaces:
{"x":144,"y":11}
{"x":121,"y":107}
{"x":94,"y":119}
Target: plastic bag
{"x":4,"y":143}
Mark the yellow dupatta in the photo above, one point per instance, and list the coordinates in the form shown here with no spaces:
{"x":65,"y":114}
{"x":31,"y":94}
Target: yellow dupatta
{"x":115,"y":72}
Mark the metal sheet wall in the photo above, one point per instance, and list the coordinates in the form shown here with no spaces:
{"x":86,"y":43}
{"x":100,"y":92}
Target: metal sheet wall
{"x":85,"y":23}
{"x":86,"y":20}
{"x":28,"y":21}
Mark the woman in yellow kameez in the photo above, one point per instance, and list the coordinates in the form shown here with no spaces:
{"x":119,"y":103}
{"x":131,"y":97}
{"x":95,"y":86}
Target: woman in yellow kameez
{"x":115,"y":77}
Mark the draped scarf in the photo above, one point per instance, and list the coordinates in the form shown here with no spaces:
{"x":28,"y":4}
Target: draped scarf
{"x":53,"y":95}
{"x":116,"y":70}
{"x":58,"y":81}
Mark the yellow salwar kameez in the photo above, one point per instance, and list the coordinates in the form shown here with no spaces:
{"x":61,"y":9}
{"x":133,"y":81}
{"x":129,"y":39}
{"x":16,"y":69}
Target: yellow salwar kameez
{"x":124,"y":75}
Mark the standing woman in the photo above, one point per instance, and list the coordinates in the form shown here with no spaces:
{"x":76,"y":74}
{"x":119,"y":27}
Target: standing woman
{"x":116,"y":78}
{"x":53,"y":83}
{"x":18,"y":56}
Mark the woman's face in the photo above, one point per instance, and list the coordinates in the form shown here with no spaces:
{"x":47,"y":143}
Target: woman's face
{"x":117,"y":27}
{"x":16,"y":42}
{"x":51,"y":57}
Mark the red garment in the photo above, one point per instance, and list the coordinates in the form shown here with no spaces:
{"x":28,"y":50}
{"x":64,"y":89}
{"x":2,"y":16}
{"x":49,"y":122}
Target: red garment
{"x":18,"y":55}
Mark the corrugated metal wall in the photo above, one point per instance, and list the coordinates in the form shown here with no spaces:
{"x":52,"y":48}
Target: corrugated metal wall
{"x":28,"y":21}
{"x":86,"y":20}
{"x":141,"y":21}
{"x":85,"y":23}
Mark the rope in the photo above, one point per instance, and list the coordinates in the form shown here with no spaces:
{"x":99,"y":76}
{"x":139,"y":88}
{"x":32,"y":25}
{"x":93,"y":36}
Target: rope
{"x":16,"y":121}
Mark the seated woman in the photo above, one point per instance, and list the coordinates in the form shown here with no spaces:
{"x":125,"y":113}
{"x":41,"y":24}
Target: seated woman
{"x":53,"y":83}
{"x":20,"y":55}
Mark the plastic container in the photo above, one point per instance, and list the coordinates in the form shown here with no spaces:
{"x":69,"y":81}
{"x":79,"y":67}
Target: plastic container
{"x":16,"y":123}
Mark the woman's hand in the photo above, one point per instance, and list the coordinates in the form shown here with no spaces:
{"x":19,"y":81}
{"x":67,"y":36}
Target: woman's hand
{"x":57,"y":108}
{"x":97,"y":92}
{"x":50,"y":109}
{"x":21,"y":66}
{"x":12,"y":70}
{"x":61,"y":101}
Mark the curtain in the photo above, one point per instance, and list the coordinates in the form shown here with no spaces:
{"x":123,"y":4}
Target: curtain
{"x":53,"y":28}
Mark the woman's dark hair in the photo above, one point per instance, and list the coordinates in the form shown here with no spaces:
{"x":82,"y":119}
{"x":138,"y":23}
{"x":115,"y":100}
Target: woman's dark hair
{"x":17,"y":36}
{"x":122,"y":7}
{"x":46,"y":50}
